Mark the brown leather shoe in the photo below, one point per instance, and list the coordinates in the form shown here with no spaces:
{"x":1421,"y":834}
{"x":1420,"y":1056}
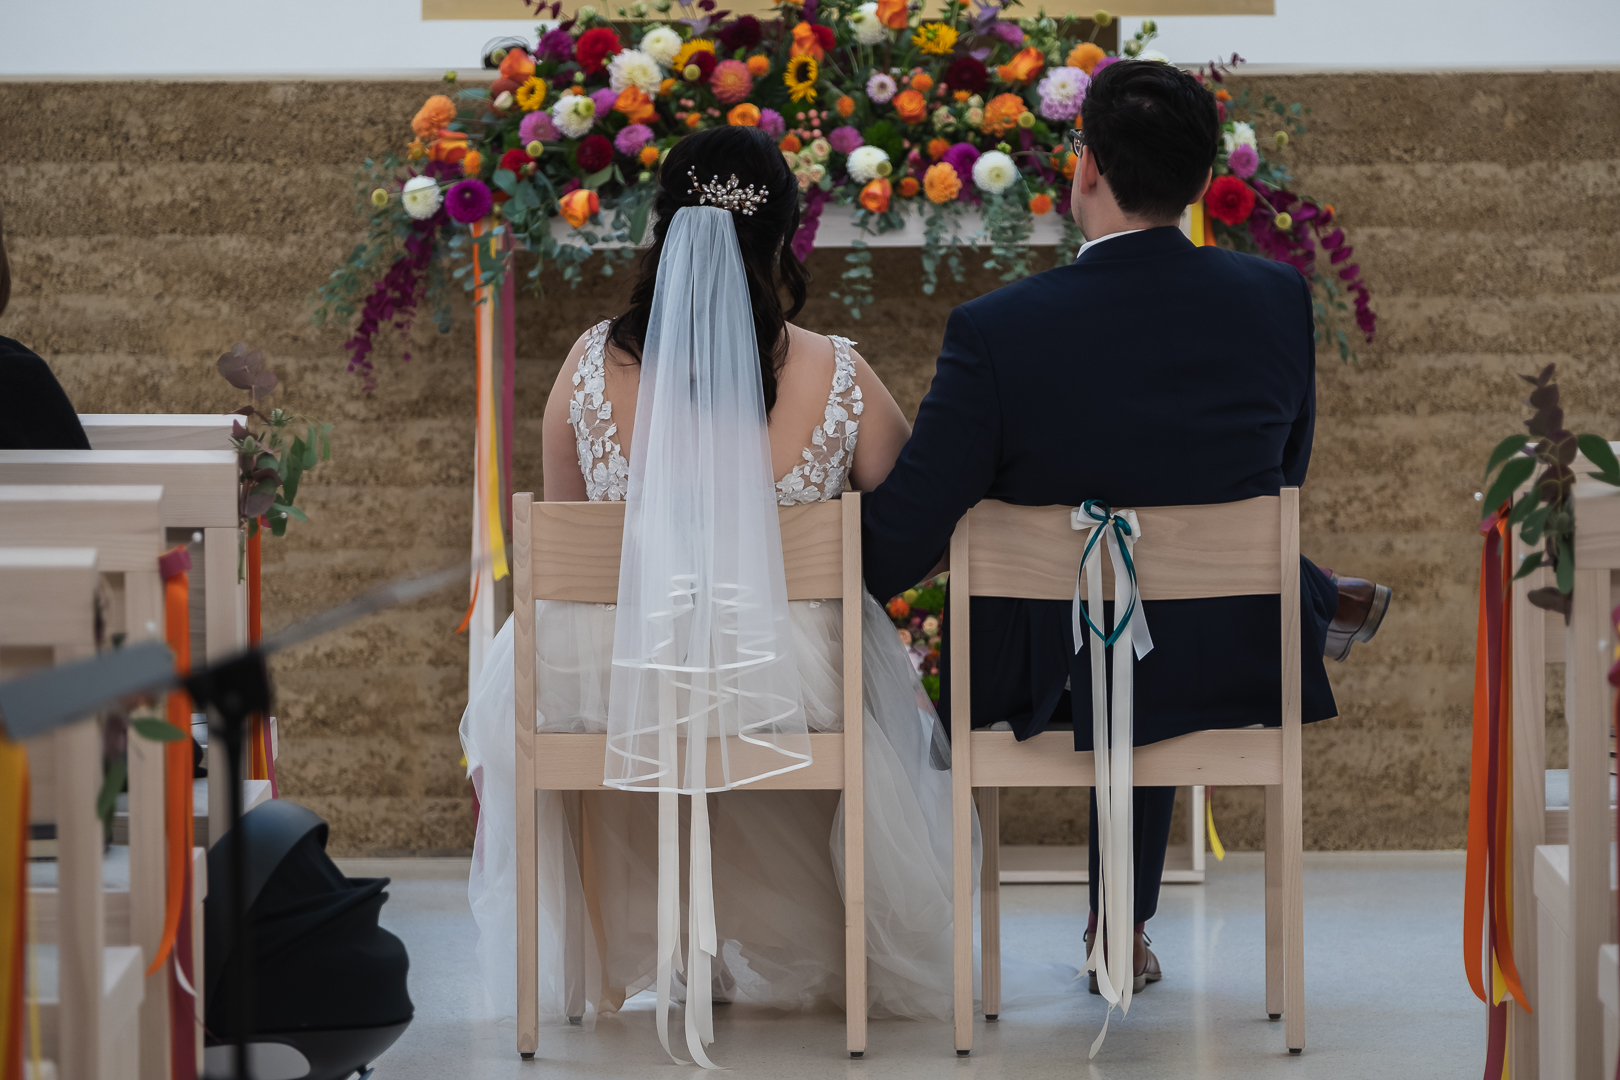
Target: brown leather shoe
{"x":1147,"y":968}
{"x":1362,"y":607}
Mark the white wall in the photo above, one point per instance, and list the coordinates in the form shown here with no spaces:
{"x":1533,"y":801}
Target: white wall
{"x":368,"y":37}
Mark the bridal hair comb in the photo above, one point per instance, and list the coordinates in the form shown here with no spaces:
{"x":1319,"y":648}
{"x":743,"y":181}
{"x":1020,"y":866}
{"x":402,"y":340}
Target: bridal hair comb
{"x":731,"y":195}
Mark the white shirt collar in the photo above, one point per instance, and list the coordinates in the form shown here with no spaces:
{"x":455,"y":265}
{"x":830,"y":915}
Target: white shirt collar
{"x":1100,"y":239}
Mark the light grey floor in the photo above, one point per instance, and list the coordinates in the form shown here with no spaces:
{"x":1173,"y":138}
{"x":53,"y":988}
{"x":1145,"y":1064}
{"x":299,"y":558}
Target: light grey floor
{"x":1386,"y":994}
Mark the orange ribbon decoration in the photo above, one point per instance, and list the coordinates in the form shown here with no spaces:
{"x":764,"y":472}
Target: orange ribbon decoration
{"x":261,"y":754}
{"x":177,"y":755}
{"x":1488,"y":899}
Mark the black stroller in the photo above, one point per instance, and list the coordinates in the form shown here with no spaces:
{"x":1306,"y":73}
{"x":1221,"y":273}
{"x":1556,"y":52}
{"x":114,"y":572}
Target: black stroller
{"x":328,"y":983}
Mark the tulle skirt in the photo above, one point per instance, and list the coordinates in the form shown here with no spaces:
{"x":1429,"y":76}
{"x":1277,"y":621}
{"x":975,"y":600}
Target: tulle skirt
{"x":778,"y":855}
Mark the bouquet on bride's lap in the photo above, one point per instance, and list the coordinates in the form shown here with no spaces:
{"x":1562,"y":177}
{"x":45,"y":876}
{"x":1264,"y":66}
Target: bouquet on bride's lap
{"x":958,"y":119}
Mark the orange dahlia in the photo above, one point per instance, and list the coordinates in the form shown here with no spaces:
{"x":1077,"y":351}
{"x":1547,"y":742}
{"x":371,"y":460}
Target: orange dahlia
{"x":941,"y":182}
{"x":1001,"y":113}
{"x":909,"y":186}
{"x":1085,"y":56}
{"x":1040,"y":204}
{"x":436,"y":112}
{"x":759,"y":66}
{"x":937,"y":148}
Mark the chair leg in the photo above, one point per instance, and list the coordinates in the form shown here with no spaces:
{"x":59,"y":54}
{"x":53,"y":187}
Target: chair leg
{"x":990,"y":901}
{"x":528,"y":925}
{"x":1293,"y":910}
{"x":1274,"y":902}
{"x":577,"y":922}
{"x":855,"y":978}
{"x":962,"y":899}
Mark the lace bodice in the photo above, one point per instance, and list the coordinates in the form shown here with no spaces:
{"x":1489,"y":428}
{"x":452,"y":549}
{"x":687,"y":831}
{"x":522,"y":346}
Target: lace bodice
{"x":822,"y":475}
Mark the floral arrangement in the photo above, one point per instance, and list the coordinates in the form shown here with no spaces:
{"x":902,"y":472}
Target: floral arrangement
{"x":917,"y":615}
{"x":269,"y":466}
{"x":959,"y":118}
{"x":1545,"y":513}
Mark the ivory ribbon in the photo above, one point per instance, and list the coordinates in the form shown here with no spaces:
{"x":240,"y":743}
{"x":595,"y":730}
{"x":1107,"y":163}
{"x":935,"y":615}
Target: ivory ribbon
{"x":1112,"y":741}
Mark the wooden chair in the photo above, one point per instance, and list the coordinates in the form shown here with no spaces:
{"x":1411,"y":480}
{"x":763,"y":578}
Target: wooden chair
{"x":1574,"y":909}
{"x":199,"y":493}
{"x":158,"y":431}
{"x":89,"y":1026}
{"x":124,"y":521}
{"x":570,"y":551}
{"x":1232,"y":549}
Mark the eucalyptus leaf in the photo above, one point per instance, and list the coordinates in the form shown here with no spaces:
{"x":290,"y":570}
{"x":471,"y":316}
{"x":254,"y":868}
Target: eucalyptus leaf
{"x":1534,"y":525}
{"x":155,"y":730}
{"x":1597,"y":451}
{"x":1525,"y":506}
{"x":506,"y":180}
{"x":1530,"y":565}
{"x":1566,"y":567}
{"x":598,"y":178}
{"x":1504,"y":450}
{"x":1507,"y":482}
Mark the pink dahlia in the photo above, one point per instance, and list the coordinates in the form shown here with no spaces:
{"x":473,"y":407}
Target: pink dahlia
{"x":605,"y":99}
{"x":771,"y":123}
{"x":630,"y":141}
{"x":731,"y":81}
{"x":1243,"y":160}
{"x":845,"y":139}
{"x":537,"y":127}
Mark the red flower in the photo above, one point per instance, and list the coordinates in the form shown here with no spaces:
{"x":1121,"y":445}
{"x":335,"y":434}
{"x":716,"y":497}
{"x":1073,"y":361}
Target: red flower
{"x":966,"y":73}
{"x":744,"y":33}
{"x":705,"y":62}
{"x":594,"y":46}
{"x":825,"y":35}
{"x":1230,"y":200}
{"x":515,"y":160}
{"x":595,"y":153}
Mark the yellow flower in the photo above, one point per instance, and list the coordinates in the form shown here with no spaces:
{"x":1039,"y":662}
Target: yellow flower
{"x":689,"y":50}
{"x":800,"y":77}
{"x":532,"y":94}
{"x":935,"y":38}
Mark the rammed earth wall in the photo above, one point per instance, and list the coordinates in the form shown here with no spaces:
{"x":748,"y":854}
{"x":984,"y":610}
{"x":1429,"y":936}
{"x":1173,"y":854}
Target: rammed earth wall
{"x":152,"y":224}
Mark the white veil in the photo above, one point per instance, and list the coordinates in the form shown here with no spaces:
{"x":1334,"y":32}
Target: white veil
{"x":703,"y":664}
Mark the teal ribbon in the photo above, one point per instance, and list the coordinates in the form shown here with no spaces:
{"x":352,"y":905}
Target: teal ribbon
{"x":1122,"y":529}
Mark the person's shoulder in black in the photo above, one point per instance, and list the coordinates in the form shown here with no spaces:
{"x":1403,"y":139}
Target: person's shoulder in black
{"x":35,"y":413}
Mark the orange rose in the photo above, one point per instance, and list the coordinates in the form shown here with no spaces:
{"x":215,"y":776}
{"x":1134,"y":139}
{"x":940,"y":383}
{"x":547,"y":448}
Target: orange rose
{"x":845,"y":106}
{"x":1085,"y":56}
{"x":790,"y":144}
{"x":941,"y":182}
{"x":922,"y":82}
{"x":1040,"y":204}
{"x":1001,"y":113}
{"x":937,"y":148}
{"x":1023,"y":67}
{"x":911,"y":106}
{"x":909,"y":186}
{"x":472,"y":164}
{"x":893,"y":14}
{"x":759,"y":66}
{"x":578,"y":206}
{"x":634,"y":103}
{"x":875,"y":195}
{"x":649,"y":155}
{"x":744,"y":115}
{"x":450,"y":149}
{"x":517,"y":65}
{"x":805,"y":43}
{"x":436,"y":112}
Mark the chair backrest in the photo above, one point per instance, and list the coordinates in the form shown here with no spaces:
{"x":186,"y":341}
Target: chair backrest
{"x":199,"y":486}
{"x":47,"y":602}
{"x":158,"y":431}
{"x":1185,"y":552}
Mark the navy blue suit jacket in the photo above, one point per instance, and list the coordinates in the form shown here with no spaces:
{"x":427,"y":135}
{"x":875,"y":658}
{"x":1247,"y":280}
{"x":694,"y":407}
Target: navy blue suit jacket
{"x":1149,"y":372}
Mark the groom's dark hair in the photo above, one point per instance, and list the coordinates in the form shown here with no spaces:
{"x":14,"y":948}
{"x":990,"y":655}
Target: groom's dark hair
{"x":1153,"y":131}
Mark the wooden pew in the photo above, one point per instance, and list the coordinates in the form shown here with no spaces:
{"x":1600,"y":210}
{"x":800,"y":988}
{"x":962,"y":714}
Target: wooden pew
{"x":124,"y":520}
{"x":89,"y":1018}
{"x":199,"y":494}
{"x":158,"y":431}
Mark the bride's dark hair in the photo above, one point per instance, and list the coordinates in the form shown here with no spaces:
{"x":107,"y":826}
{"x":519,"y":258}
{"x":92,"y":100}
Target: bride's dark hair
{"x":765,"y":237}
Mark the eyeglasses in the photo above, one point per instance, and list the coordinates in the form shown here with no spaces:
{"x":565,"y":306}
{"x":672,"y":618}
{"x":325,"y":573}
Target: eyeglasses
{"x":1077,"y":141}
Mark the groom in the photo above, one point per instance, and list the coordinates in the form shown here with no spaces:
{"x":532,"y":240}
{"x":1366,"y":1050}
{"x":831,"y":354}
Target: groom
{"x":1149,"y":372}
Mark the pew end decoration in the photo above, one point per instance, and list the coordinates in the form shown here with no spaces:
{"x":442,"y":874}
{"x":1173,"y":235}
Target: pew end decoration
{"x":1545,"y":512}
{"x":271,"y":464}
{"x":956,"y":120}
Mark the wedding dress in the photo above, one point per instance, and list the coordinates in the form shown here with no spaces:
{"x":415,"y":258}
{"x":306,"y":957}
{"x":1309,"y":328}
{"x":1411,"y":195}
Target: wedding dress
{"x":777,"y":855}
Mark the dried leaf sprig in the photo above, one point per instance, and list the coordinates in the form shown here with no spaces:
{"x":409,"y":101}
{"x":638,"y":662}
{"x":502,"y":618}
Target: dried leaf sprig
{"x":1544,"y":514}
{"x":269,"y":465}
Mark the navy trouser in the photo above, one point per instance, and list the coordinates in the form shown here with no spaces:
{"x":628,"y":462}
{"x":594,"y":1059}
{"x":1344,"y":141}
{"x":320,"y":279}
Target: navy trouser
{"x":1151,"y":836}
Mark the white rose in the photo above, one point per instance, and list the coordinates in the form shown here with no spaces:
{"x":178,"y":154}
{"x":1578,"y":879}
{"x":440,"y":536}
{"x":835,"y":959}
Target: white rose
{"x":869,"y":30}
{"x":994,"y":172}
{"x":864,"y":163}
{"x":821,"y":148}
{"x":944,"y":121}
{"x":574,"y":114}
{"x":632,"y":67}
{"x":421,"y":197}
{"x":817,"y":172}
{"x":661,"y":43}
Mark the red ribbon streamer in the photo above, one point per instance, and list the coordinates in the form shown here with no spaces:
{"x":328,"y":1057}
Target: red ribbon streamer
{"x":174,"y":566}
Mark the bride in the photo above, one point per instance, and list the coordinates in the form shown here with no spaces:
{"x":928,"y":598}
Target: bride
{"x":739,"y":411}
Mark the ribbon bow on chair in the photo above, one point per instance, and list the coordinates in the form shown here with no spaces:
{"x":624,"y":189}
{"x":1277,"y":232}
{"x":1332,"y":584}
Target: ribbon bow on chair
{"x":1112,"y":739}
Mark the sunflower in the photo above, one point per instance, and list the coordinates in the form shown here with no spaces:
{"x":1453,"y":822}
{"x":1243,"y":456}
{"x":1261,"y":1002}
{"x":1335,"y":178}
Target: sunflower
{"x":532,"y":94}
{"x":935,"y":38}
{"x":689,"y":50}
{"x":800,"y":77}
